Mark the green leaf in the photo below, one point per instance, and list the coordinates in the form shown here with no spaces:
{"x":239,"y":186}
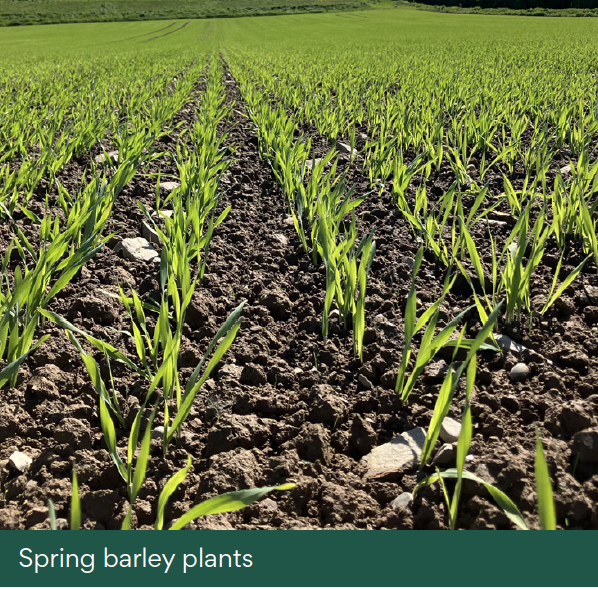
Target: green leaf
{"x":544,"y":489}
{"x":52,"y":515}
{"x":226,"y":503}
{"x":504,"y":502}
{"x":142,"y":459}
{"x":75,"y":504}
{"x":171,"y":485}
{"x":11,"y":369}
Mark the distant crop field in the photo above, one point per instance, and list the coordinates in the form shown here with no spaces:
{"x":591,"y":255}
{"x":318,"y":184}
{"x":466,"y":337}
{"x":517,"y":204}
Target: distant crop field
{"x":347,"y":261}
{"x":32,"y":12}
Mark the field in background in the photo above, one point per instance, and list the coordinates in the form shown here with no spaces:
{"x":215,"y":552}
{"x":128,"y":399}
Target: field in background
{"x":37,"y":12}
{"x":242,"y":253}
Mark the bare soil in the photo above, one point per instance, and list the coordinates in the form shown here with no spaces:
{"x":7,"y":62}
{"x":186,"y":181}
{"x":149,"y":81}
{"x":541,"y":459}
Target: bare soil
{"x":283,"y":407}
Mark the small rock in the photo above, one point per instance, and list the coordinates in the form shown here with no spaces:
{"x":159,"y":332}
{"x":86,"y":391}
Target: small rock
{"x":334,"y":314}
{"x":288,"y":221}
{"x":400,"y":454}
{"x":158,"y":432}
{"x":445,"y":455}
{"x":566,"y":171}
{"x":507,"y":345}
{"x":450,"y":430}
{"x":408,"y":261}
{"x":345,"y":148}
{"x":365,"y":382}
{"x":403,"y":500}
{"x":585,"y":445}
{"x":149,"y":233}
{"x":169,"y":186}
{"x":20,"y":461}
{"x":139,"y":250}
{"x":310,"y":164}
{"x":107,"y":157}
{"x":269,"y":505}
{"x":520,"y":372}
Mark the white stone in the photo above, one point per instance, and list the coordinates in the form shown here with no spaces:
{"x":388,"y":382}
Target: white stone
{"x":158,"y":432}
{"x":345,"y":148}
{"x":365,"y":382}
{"x":149,"y":233}
{"x":107,"y":157}
{"x":310,"y":164}
{"x":566,"y":170}
{"x":505,"y":343}
{"x":403,"y":500}
{"x":445,"y":455}
{"x":20,"y":461}
{"x":401,"y":453}
{"x":520,"y":372}
{"x":450,"y":430}
{"x":139,"y":250}
{"x":169,"y":186}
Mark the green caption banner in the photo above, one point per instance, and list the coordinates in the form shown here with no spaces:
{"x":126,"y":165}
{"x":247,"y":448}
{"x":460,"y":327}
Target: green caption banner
{"x":297,"y":558}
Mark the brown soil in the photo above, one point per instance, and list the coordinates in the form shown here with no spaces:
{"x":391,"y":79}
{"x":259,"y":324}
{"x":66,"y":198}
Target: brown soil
{"x":281,"y":406}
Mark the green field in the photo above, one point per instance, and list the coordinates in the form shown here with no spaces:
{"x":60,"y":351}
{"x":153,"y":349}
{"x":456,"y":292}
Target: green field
{"x":266,"y":247}
{"x":35,"y":12}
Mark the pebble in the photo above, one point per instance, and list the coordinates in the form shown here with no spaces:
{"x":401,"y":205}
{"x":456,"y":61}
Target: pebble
{"x":345,"y":148}
{"x":365,"y":382}
{"x":450,"y":430}
{"x":409,"y":261}
{"x":107,"y":157}
{"x":398,"y":455}
{"x":139,"y":250}
{"x":566,"y":170}
{"x":508,"y":345}
{"x":445,"y":455}
{"x":169,"y":186}
{"x":311,"y":163}
{"x":149,"y":233}
{"x":158,"y":432}
{"x":20,"y":461}
{"x":403,"y":500}
{"x":520,"y":372}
